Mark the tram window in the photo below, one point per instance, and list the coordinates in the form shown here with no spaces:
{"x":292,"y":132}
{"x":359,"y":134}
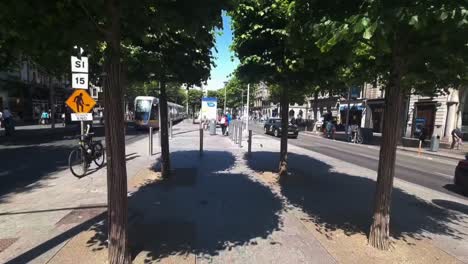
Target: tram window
{"x":143,"y":106}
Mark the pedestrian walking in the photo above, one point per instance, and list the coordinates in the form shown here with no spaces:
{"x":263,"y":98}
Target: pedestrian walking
{"x":63,"y":119}
{"x":457,"y":136}
{"x":223,"y":122}
{"x":43,"y":119}
{"x":422,"y":138}
{"x":8,"y":122}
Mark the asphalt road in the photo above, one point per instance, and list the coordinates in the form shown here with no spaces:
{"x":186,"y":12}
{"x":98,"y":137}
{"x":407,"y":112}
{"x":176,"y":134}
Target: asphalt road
{"x":34,"y":155}
{"x":431,"y":172}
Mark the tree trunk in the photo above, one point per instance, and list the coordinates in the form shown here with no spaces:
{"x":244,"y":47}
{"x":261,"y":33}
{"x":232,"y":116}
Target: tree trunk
{"x":163,"y":129}
{"x":380,"y":228}
{"x":284,"y":102}
{"x":315,"y":108}
{"x":115,"y":143}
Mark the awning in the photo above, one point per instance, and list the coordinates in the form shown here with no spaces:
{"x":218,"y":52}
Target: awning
{"x":359,"y":107}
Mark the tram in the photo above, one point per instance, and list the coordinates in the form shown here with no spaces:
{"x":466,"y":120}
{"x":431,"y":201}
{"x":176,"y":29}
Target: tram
{"x":147,"y":112}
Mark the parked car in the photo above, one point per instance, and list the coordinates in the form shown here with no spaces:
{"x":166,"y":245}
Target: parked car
{"x":273,"y":126}
{"x":461,"y":175}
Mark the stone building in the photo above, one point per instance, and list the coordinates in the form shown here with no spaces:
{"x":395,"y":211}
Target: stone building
{"x":439,"y":115}
{"x":264,"y":107}
{"x":28,"y":90}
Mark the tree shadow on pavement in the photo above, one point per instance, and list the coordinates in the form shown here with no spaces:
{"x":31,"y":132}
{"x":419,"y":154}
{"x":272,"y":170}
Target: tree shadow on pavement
{"x":462,"y":208}
{"x":202,"y":209}
{"x":343,"y":201}
{"x":25,"y":167}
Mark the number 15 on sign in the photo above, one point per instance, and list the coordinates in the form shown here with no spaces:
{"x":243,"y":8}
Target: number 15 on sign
{"x":80,"y":81}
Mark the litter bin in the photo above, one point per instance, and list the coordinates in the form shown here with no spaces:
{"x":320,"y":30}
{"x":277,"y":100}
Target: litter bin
{"x":212,"y":127}
{"x":435,"y":140}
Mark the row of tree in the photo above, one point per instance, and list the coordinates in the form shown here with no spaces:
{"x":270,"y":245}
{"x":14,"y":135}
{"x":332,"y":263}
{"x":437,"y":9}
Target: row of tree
{"x":127,"y":42}
{"x":235,"y":93}
{"x":304,"y":47}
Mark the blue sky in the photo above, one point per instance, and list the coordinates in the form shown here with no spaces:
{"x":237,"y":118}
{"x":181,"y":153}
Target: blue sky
{"x":224,"y":64}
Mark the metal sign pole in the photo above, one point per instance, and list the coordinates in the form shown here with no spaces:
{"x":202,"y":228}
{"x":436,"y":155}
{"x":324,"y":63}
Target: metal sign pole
{"x":250,"y":142}
{"x":201,"y":141}
{"x":248,"y":96}
{"x":150,"y":141}
{"x":82,"y":130}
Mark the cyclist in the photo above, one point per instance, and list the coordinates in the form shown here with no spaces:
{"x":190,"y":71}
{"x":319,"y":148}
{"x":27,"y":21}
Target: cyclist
{"x":456,"y":138}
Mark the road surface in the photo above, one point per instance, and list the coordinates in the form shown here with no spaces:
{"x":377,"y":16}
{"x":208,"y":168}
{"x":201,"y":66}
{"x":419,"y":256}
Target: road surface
{"x":431,"y":172}
{"x":33,"y":155}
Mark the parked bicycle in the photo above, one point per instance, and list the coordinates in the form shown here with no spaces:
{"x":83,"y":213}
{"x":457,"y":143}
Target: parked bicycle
{"x":354,"y":136}
{"x":89,"y":151}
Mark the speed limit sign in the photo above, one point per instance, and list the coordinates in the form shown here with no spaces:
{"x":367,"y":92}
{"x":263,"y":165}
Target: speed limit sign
{"x":80,"y":81}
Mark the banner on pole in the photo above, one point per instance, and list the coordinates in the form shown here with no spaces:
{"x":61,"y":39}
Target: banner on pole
{"x":209,"y":108}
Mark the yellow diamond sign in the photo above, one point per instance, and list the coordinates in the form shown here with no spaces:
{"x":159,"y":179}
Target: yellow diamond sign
{"x":80,"y":102}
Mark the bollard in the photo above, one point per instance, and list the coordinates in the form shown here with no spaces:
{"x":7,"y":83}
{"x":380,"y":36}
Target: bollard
{"x":250,"y":142}
{"x":201,"y":141}
{"x":233,"y":132}
{"x":240,"y":134}
{"x":150,"y":141}
{"x":236,"y":135}
{"x":170,"y":127}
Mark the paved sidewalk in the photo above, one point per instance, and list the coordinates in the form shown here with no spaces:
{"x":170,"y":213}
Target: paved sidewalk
{"x":37,"y":220}
{"x":211,"y":211}
{"x":226,"y":207}
{"x":336,"y":196}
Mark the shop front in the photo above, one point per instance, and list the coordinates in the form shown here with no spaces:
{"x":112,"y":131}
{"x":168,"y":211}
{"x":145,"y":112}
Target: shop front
{"x":424,"y":118}
{"x":374,"y":112}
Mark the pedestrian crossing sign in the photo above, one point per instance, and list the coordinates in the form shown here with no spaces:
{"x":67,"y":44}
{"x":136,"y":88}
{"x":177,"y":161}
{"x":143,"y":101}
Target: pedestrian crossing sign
{"x":80,"y":102}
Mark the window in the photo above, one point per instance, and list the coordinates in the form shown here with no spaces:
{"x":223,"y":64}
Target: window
{"x":143,"y":106}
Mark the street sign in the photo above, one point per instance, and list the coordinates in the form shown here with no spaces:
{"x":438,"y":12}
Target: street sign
{"x":80,"y":80}
{"x":80,"y":102}
{"x":78,"y":65}
{"x":82,"y":117}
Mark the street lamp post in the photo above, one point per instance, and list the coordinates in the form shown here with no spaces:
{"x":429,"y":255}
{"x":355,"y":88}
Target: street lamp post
{"x":186,"y":105}
{"x":242,"y":103}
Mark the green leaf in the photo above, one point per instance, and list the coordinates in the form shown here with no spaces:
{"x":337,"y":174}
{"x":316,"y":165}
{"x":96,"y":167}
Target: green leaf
{"x":414,"y":20}
{"x":369,"y":32}
{"x":443,"y":16}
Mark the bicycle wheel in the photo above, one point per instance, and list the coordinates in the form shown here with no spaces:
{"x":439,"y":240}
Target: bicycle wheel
{"x":359,"y":140}
{"x":99,"y":154}
{"x":77,"y":163}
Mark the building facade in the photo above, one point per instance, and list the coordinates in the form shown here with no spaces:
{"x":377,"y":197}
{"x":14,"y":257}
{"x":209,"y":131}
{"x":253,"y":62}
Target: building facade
{"x":27,"y":90}
{"x":438,"y":115}
{"x":264,"y":107}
